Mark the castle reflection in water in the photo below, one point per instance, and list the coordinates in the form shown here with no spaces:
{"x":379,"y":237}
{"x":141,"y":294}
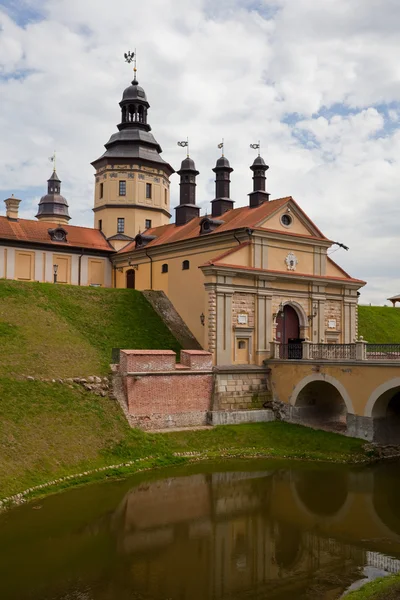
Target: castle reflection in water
{"x":279,"y":534}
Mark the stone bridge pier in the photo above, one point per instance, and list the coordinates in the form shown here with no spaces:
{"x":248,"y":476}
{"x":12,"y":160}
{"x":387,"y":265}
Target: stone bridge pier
{"x":359,"y":399}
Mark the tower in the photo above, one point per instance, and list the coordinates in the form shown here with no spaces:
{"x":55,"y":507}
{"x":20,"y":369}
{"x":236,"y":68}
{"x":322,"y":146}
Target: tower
{"x":259,"y":193}
{"x":187,"y":209}
{"x":53,"y":207}
{"x":222,"y":202}
{"x":132,"y":180}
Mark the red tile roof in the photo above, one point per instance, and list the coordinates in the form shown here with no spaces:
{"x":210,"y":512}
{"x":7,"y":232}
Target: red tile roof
{"x":25,"y":230}
{"x":233,"y":219}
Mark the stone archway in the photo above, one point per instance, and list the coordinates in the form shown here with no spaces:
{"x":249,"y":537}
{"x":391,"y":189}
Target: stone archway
{"x":384,"y":407}
{"x":303,"y":321}
{"x":321,"y":400}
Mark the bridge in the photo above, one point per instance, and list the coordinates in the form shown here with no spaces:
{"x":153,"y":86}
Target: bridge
{"x":351,"y":388}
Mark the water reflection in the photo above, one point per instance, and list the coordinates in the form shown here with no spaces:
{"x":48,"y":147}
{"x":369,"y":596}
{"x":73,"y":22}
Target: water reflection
{"x":292,"y":533}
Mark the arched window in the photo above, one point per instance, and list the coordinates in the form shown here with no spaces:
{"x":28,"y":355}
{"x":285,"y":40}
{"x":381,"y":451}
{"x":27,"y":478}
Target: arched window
{"x":164,"y":268}
{"x":185,"y":265}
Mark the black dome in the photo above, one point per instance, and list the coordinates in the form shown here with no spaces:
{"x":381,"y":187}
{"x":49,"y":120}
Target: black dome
{"x":188,"y":164}
{"x":134,"y":92}
{"x":259,"y":161}
{"x":223,"y":162}
{"x":53,"y":199}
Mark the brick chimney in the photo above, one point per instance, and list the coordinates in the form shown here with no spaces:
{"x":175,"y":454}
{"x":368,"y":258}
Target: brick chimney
{"x":12,"y":205}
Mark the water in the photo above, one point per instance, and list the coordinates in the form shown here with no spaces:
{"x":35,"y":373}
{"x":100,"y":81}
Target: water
{"x":247,"y":530}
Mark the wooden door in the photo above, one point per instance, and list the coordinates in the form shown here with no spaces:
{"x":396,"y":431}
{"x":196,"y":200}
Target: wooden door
{"x":287,"y":325}
{"x":130,"y":279}
{"x":242,"y":351}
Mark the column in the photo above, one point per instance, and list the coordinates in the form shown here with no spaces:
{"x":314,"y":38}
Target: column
{"x":224,"y":328}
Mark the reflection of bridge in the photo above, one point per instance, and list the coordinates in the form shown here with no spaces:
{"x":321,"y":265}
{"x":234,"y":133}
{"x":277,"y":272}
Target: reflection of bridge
{"x":231,"y":533}
{"x":342,"y":384}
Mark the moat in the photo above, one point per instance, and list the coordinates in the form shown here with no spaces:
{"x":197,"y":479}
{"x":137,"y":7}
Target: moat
{"x":247,"y":530}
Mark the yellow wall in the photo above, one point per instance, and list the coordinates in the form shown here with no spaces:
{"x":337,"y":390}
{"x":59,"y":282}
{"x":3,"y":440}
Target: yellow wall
{"x":136,"y":180}
{"x":278,"y":251}
{"x":241,"y":257}
{"x":25,"y":266}
{"x":96,"y":271}
{"x":64,"y":267}
{"x":333,"y":270}
{"x":297,"y":226}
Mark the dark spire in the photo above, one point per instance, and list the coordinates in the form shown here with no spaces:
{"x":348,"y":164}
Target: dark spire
{"x":259,"y":194}
{"x":222,"y":202}
{"x":53,"y":206}
{"x":187,"y":209}
{"x":134,"y":140}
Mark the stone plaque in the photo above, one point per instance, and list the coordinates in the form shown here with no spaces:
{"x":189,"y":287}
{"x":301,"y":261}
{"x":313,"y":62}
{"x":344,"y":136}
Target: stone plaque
{"x":332,"y":323}
{"x":242,"y":319}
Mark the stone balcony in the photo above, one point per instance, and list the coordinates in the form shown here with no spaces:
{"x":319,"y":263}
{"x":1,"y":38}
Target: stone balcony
{"x":358,"y":351}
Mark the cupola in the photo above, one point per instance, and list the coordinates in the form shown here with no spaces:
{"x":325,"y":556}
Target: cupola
{"x":53,"y":207}
{"x":259,"y":193}
{"x":187,"y":209}
{"x":222,"y":202}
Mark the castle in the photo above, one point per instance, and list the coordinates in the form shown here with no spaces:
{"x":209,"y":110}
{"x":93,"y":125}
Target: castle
{"x":240,"y":278}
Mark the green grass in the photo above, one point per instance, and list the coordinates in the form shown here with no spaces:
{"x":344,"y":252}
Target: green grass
{"x":66,"y":331}
{"x":379,"y":324}
{"x":385,"y":588}
{"x":49,"y":430}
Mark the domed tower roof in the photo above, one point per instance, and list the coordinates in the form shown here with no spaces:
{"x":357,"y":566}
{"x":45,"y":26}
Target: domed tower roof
{"x":222,"y":162}
{"x":187,"y":165}
{"x":134,"y":92}
{"x":53,"y":206}
{"x":259,"y":163}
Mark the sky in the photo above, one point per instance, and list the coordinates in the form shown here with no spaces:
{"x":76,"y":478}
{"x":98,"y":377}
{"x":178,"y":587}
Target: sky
{"x":318,"y":83}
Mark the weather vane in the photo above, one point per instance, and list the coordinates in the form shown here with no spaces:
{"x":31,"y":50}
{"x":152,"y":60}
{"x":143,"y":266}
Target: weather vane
{"x":131,"y":57}
{"x":221,"y":146}
{"x":256,"y":147}
{"x":53,"y":160}
{"x":185,"y":144}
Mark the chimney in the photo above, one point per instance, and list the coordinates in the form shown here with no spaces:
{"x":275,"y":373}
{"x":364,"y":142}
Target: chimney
{"x":259,"y":195}
{"x":222,"y":202}
{"x":187,"y":209}
{"x":12,"y":205}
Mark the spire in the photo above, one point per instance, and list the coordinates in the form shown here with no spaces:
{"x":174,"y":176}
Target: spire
{"x":259,"y":193}
{"x":187,"y":209}
{"x":53,"y":207}
{"x":222,"y":202}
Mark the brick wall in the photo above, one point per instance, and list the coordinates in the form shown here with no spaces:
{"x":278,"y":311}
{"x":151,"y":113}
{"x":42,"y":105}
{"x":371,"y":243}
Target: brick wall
{"x":333,"y":310}
{"x":162,"y":394}
{"x":212,"y":321}
{"x":243,"y":304}
{"x":237,"y":390}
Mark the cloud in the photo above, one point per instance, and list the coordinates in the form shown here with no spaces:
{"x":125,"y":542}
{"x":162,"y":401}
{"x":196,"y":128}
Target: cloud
{"x":318,"y":83}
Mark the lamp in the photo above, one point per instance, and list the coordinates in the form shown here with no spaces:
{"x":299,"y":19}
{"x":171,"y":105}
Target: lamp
{"x":55,"y":269}
{"x":314,"y":312}
{"x":202,"y":319}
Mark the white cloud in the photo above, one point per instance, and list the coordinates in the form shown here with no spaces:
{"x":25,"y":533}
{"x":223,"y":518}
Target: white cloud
{"x":237,"y":70}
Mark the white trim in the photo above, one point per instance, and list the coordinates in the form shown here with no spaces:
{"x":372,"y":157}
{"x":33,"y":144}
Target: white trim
{"x":328,"y":379}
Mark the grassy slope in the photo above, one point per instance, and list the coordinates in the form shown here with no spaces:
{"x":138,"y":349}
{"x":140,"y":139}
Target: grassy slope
{"x":379,"y":324}
{"x":386,"y":588}
{"x":66,"y":331}
{"x":48,"y":430}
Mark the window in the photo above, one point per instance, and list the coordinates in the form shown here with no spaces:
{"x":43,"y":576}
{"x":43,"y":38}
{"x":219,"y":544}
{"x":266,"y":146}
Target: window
{"x":122,"y":188}
{"x":148,"y":190}
{"x":185,"y":265}
{"x":120,"y":225}
{"x":100,"y":225}
{"x":101,"y":190}
{"x":165,"y":197}
{"x":286,"y":220}
{"x":164,"y":268}
{"x":241,"y":345}
{"x":147,"y":224}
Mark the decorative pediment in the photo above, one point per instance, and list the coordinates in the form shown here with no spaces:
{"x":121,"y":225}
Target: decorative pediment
{"x":290,"y":218}
{"x":58,"y":234}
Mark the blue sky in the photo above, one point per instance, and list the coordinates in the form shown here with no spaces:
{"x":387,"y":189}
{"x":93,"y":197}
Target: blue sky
{"x":319,"y":85}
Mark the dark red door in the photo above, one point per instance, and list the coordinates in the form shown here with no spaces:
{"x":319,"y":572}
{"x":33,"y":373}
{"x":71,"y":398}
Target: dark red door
{"x":130,"y":279}
{"x":288,"y":326}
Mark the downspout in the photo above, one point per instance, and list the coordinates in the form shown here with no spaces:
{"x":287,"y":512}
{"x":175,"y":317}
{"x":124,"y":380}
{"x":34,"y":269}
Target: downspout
{"x":80,"y":266}
{"x":151,"y":268}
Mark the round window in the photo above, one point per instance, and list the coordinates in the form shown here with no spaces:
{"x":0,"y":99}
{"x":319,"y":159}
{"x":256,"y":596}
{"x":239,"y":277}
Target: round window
{"x":286,"y":220}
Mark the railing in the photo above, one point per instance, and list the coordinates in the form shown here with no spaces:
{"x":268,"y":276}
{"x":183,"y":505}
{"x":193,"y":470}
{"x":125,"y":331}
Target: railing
{"x":290,"y":351}
{"x":383,"y":351}
{"x":332,"y":351}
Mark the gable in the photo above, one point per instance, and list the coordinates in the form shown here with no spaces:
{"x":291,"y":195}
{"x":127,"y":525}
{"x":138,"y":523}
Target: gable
{"x":333,"y":270}
{"x":296,"y":221}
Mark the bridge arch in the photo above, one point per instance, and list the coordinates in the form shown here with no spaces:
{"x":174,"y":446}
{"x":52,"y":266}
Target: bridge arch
{"x":327,"y":379}
{"x":380,"y":398}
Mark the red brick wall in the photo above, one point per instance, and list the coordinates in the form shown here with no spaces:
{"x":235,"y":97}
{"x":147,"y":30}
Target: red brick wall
{"x":180,"y":398}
